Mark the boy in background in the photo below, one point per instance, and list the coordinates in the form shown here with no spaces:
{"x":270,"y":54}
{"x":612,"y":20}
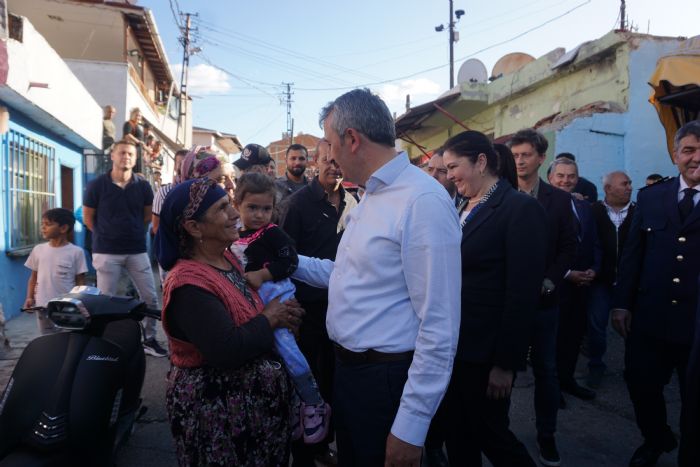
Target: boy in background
{"x":57,"y":266}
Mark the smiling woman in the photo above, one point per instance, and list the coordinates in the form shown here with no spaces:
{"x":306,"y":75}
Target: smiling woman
{"x":503,"y":249}
{"x":227,"y":396}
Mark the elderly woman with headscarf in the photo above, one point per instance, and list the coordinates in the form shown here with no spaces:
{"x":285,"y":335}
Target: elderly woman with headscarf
{"x":203,"y":161}
{"x":228,"y":398}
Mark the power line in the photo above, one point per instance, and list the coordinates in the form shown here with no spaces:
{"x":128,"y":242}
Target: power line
{"x":267,"y":60}
{"x":438,"y":67}
{"x":245,"y":81}
{"x":176,"y":14}
{"x":283,"y":50}
{"x":267,"y":125}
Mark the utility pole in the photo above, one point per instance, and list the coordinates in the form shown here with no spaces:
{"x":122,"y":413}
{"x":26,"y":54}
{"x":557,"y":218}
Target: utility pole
{"x":452,"y":46}
{"x":186,"y":52}
{"x":453,"y":37}
{"x":290,"y":121}
{"x":623,"y":17}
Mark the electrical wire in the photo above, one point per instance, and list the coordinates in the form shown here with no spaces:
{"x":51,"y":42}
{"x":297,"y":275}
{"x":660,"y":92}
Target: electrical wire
{"x":281,"y":64}
{"x":255,"y":41}
{"x":267,"y":125}
{"x":438,"y":67}
{"x":245,"y":81}
{"x":176,"y":13}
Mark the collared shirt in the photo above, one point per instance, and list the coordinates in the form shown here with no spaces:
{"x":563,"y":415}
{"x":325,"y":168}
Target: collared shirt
{"x":617,"y":217}
{"x":535,"y":189}
{"x":119,"y":227}
{"x":682,"y":186}
{"x":395,"y":284}
{"x":315,"y":225}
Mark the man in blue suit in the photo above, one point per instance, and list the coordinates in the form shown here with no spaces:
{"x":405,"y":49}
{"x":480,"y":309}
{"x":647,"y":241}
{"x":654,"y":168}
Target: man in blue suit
{"x":656,"y":296}
{"x":689,"y":452}
{"x":575,"y":291}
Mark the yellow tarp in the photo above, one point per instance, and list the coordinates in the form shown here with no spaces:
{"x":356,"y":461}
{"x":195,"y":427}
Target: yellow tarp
{"x":678,"y":70}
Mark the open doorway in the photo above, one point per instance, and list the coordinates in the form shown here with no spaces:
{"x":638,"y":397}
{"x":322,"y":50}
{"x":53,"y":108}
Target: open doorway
{"x":67,"y":200}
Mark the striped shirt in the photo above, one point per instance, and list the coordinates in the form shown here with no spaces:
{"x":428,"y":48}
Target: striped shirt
{"x":160,"y":197}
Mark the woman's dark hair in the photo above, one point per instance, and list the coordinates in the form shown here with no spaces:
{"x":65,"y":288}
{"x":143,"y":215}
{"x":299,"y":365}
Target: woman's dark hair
{"x":506,"y":164}
{"x":253,"y":183}
{"x":60,"y":216}
{"x":470,"y":144}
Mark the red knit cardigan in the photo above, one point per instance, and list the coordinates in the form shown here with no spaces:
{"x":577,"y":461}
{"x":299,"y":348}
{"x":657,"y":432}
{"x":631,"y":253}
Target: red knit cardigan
{"x":189,"y":272}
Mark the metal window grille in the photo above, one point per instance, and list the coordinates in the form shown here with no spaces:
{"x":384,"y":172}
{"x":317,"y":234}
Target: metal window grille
{"x":30,"y":181}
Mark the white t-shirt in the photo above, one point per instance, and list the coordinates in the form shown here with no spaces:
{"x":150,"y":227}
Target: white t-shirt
{"x":56,"y":269}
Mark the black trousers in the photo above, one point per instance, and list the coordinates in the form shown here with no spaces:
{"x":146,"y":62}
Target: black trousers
{"x":689,"y":452}
{"x":649,"y":365}
{"x":366,"y":397}
{"x":478,"y":424}
{"x":318,"y":350}
{"x":573,"y":320}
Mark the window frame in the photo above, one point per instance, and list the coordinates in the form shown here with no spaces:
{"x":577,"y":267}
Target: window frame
{"x":30,"y":181}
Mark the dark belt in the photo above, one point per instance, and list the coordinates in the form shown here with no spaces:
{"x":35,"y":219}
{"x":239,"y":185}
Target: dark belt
{"x":369,"y":356}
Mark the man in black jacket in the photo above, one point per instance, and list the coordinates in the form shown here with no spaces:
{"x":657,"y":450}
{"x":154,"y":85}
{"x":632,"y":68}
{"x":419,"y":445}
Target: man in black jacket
{"x":656,"y":295}
{"x":613,"y":216}
{"x":529,"y":149}
{"x":576,"y":288}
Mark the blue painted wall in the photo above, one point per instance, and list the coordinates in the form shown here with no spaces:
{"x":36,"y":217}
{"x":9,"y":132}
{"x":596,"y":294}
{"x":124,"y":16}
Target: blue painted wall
{"x":633,"y":141}
{"x":13,"y":274}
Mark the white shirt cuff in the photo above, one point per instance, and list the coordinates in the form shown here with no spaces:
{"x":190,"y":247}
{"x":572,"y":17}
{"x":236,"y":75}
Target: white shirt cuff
{"x":410,"y":428}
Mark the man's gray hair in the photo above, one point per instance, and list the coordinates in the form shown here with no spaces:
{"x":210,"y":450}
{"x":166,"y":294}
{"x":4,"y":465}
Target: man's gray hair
{"x":363,"y":111}
{"x":690,"y":128}
{"x":607,"y":178}
{"x":562,"y":161}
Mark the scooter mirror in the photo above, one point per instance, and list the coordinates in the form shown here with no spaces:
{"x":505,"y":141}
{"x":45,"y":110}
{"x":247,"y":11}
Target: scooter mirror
{"x":86,"y":289}
{"x":68,"y":313}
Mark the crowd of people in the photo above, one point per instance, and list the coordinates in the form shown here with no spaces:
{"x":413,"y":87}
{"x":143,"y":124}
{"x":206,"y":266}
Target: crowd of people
{"x":410,"y":309}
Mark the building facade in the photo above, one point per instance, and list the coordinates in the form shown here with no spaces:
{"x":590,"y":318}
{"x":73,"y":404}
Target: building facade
{"x":42,"y":144}
{"x":114,"y":48}
{"x":591,"y":101}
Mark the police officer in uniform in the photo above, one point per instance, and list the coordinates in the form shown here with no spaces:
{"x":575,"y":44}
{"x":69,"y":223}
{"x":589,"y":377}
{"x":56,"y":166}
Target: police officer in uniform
{"x":656,"y":296}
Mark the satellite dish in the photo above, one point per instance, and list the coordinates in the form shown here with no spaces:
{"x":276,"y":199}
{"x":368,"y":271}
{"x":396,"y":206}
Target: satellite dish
{"x":472,"y":71}
{"x":510,"y":63}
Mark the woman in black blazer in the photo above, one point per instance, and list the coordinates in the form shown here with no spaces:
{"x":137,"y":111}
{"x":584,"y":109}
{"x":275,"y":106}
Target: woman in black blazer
{"x":504,"y":245}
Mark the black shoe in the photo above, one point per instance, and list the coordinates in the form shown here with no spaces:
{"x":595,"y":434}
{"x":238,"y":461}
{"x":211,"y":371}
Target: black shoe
{"x":435,"y":457}
{"x":153,"y":348}
{"x":647,"y":454}
{"x":549,"y":455}
{"x":579,"y":391}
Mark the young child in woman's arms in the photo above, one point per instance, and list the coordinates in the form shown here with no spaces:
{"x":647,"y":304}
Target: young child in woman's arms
{"x":269,"y":258}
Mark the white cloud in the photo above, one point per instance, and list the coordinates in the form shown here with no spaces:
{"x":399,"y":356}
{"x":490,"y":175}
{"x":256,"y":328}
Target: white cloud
{"x":204,"y":79}
{"x":420,"y":89}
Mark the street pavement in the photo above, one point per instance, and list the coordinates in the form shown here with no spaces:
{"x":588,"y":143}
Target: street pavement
{"x":600,"y":433}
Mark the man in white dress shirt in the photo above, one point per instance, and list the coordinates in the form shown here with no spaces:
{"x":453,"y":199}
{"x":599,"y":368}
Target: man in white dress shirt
{"x":394,"y":290}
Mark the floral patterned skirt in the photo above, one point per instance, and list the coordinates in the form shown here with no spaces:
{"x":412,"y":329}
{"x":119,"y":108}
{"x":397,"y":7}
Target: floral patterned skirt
{"x":231,"y":417}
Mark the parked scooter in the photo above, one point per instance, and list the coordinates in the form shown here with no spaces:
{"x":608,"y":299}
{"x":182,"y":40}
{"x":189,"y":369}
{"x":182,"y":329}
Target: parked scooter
{"x":73,"y":396}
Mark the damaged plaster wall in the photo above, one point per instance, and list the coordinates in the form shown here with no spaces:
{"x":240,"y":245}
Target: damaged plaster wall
{"x":633,"y":141}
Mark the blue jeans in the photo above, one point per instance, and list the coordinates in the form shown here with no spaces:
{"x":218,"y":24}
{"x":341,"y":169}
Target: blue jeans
{"x":598,"y":316}
{"x":544,"y":367}
{"x":286,"y":346}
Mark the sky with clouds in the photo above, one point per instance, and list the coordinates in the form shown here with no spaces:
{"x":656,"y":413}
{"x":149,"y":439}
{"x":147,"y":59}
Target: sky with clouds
{"x":248,"y":49}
